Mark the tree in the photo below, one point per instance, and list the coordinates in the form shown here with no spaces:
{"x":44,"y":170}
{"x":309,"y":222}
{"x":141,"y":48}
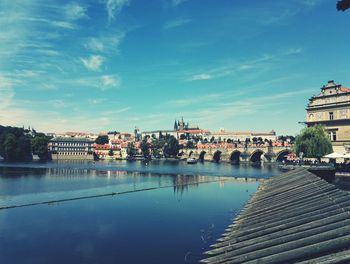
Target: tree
{"x":10,"y":146}
{"x":229,"y":140}
{"x":343,"y":5}
{"x":130,"y":150}
{"x":313,"y":142}
{"x":145,"y":148}
{"x":255,"y":140}
{"x":39,"y":146}
{"x":171,"y":147}
{"x":190,"y":145}
{"x":111,"y":153}
{"x":101,"y":140}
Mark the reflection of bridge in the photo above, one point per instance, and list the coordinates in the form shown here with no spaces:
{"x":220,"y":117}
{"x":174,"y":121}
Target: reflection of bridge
{"x":240,"y":154}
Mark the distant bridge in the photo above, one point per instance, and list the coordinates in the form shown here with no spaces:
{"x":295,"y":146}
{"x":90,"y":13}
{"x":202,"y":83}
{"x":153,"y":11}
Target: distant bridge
{"x":240,"y":154}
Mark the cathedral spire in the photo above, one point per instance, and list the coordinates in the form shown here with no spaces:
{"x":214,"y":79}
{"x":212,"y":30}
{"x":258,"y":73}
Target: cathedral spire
{"x":175,"y":126}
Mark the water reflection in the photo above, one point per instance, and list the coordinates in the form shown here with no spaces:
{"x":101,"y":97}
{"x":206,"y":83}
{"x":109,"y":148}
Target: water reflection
{"x":171,"y":223}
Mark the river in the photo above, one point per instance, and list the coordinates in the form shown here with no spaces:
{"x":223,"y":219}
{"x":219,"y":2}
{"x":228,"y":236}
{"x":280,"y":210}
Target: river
{"x":162,"y":212}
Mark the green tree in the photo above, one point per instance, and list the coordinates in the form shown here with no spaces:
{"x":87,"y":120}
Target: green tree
{"x":145,"y":148}
{"x":111,"y":153}
{"x":171,"y":147}
{"x":182,"y":136}
{"x":130,"y":150}
{"x":40,"y":146}
{"x":101,"y":140}
{"x":313,"y":142}
{"x":10,"y":147}
{"x":190,"y":145}
{"x":24,"y":150}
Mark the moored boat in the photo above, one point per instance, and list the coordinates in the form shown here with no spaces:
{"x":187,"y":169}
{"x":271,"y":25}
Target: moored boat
{"x":191,"y":161}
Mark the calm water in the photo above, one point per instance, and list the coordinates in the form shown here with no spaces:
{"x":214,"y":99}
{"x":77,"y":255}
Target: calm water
{"x":171,"y":224}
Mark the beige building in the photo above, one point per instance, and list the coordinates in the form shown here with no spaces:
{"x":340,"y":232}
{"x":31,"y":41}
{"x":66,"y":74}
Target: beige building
{"x":331,"y":108}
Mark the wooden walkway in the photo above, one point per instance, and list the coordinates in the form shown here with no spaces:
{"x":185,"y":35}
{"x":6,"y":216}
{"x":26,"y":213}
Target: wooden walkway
{"x":295,"y":217}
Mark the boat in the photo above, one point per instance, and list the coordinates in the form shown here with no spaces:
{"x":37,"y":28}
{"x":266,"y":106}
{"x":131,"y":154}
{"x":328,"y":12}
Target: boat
{"x":191,"y":161}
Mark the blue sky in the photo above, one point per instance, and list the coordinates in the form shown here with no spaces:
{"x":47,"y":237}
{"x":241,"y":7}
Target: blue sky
{"x":99,"y":65}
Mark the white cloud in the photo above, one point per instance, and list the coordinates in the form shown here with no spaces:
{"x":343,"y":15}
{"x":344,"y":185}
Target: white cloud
{"x":114,"y":7}
{"x":108,"y":43}
{"x":176,"y":23}
{"x":177,"y":2}
{"x":6,"y":92}
{"x":109,"y":81}
{"x":74,"y":11}
{"x":94,"y":44}
{"x":201,"y":77}
{"x":310,"y":3}
{"x":294,"y":51}
{"x":63,"y":24}
{"x":93,"y":63}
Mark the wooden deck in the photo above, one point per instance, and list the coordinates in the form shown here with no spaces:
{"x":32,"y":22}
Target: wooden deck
{"x":295,"y":217}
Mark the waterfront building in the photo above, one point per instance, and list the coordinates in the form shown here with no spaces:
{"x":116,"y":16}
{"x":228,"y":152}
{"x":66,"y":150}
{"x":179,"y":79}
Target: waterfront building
{"x":331,"y":108}
{"x":71,"y":148}
{"x":223,"y":136}
{"x":104,"y":151}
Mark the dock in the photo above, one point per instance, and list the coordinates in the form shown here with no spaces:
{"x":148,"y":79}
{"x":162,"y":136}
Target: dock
{"x":295,"y":217}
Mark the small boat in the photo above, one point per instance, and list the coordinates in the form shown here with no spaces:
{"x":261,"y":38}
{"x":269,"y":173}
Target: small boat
{"x":191,"y":161}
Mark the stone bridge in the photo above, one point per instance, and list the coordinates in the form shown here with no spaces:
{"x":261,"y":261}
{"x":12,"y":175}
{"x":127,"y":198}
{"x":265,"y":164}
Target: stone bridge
{"x":239,"y":154}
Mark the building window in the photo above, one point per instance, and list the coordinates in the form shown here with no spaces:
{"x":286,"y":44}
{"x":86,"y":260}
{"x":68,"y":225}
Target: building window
{"x":343,"y":113}
{"x":333,"y":135}
{"x":331,"y":117}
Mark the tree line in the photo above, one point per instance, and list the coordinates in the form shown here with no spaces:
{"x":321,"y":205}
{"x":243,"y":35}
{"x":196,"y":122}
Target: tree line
{"x":167,"y":146}
{"x":20,"y":144}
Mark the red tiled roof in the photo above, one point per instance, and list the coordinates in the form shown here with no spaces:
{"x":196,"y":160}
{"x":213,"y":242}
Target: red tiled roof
{"x":232,"y":133}
{"x":344,"y":89}
{"x":193,"y":131}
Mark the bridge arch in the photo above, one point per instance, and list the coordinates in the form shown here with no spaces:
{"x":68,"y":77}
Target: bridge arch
{"x":281,"y":155}
{"x":201,"y":156}
{"x":256,"y":155}
{"x":235,"y":156}
{"x":217,"y":156}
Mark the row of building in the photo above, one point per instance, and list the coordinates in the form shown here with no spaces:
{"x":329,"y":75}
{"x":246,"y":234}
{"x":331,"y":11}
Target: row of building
{"x":330,"y":108}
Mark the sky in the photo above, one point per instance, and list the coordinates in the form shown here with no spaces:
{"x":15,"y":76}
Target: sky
{"x":111,"y":65}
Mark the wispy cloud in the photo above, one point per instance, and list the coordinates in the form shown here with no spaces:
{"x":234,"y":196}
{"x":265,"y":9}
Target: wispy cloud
{"x":292,"y":51}
{"x":229,"y":68}
{"x":109,"y":81}
{"x":201,"y":77}
{"x":93,"y":63}
{"x":74,"y":11}
{"x":6,"y":92}
{"x":177,"y":2}
{"x":96,"y":101}
{"x":107,"y":43}
{"x":64,"y":24}
{"x":101,"y":82}
{"x":117,"y":111}
{"x":176,"y":23}
{"x":310,"y":3}
{"x":114,"y":7}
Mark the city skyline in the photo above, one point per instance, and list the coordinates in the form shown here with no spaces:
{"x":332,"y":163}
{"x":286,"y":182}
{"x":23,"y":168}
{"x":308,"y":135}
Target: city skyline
{"x":116,"y":64}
